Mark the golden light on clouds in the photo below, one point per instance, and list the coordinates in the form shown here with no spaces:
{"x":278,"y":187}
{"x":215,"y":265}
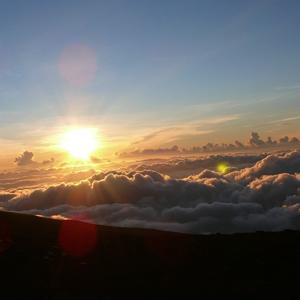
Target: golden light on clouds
{"x":80,"y":143}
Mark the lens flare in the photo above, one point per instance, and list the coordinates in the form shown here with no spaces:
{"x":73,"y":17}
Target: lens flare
{"x":77,"y":238}
{"x":78,"y":65}
{"x":222,"y":167}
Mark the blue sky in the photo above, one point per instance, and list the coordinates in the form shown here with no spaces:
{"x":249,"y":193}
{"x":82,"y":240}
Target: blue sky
{"x":223,"y":67}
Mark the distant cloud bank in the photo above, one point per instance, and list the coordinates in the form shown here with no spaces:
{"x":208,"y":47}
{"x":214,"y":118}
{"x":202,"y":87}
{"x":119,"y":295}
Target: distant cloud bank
{"x":253,"y":143}
{"x":264,"y":194}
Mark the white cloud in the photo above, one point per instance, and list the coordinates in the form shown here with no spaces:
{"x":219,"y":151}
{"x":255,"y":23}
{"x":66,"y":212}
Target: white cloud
{"x":272,"y":164}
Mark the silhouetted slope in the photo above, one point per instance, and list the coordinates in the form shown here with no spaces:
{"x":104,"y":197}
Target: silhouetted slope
{"x":144,"y":264}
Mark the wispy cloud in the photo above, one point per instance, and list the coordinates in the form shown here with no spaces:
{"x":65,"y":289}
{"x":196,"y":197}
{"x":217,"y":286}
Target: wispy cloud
{"x":285,"y":120}
{"x":183,"y":130}
{"x":288,"y":87}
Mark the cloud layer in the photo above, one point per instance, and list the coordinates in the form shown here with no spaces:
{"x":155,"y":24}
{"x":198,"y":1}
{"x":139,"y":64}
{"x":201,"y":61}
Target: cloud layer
{"x":265,"y":196}
{"x":184,"y":167}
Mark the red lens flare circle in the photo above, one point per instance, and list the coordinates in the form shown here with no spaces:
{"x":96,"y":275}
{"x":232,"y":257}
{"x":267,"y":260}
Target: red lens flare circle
{"x":77,"y":238}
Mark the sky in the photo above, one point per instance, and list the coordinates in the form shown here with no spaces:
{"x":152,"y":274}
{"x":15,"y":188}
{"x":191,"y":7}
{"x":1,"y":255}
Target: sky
{"x":88,"y":89}
{"x":147,"y":73}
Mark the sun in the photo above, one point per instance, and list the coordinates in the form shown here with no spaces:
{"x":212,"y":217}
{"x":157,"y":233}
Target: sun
{"x":80,"y":143}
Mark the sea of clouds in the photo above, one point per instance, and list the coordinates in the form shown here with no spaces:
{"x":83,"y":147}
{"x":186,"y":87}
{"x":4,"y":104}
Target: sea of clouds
{"x":258,"y":192}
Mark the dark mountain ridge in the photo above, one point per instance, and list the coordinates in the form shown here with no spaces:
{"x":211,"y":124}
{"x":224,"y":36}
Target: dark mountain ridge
{"x":53,"y":259}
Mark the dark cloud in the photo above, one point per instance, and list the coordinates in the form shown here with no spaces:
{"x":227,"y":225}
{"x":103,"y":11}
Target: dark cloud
{"x":157,"y":151}
{"x":284,"y":140}
{"x":48,"y":161}
{"x":26,"y":158}
{"x":295,"y":141}
{"x":255,"y":140}
{"x":265,"y":196}
{"x":5,"y":196}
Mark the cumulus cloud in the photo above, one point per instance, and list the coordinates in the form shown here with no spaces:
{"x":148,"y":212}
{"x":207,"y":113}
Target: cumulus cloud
{"x":255,"y":140}
{"x":272,"y":164}
{"x":26,"y":158}
{"x":265,"y":196}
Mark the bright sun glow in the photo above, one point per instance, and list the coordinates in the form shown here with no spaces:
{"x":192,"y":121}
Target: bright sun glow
{"x":80,"y":143}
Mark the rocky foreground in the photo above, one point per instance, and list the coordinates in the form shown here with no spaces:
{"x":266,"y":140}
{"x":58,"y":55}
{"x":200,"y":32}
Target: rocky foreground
{"x":53,"y":259}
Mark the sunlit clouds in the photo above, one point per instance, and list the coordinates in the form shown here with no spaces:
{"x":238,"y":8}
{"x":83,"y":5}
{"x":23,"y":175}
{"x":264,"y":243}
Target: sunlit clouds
{"x":258,"y":193}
